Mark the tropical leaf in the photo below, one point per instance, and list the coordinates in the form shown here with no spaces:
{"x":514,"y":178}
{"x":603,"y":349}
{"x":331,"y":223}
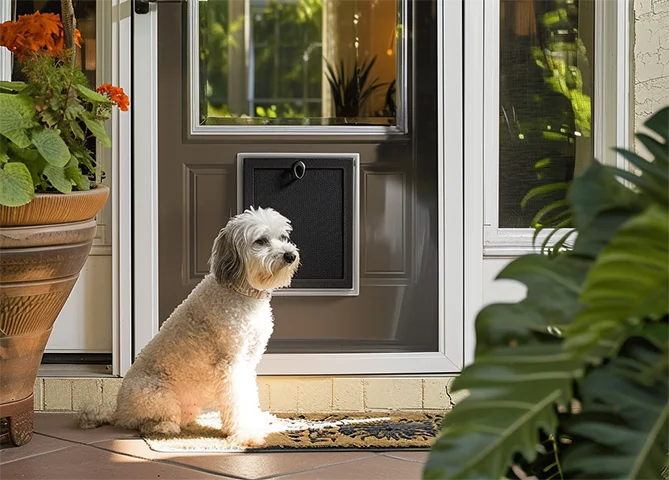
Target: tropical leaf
{"x":520,"y":323}
{"x":513,"y":393}
{"x":613,"y":292}
{"x":597,"y":190}
{"x":622,"y":431}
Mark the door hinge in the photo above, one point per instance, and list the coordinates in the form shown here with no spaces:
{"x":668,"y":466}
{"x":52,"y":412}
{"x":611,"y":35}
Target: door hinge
{"x":142,"y":6}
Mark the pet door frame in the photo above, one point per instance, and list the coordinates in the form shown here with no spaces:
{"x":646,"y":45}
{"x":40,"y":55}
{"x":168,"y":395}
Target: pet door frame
{"x":354,"y":158}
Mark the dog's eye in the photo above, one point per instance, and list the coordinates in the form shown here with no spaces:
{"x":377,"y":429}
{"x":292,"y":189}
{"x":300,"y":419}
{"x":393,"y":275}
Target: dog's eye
{"x":262,"y":241}
{"x":284,"y":238}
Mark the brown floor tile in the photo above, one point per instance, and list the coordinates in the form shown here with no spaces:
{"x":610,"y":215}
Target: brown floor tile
{"x":376,"y":468}
{"x":65,"y":426}
{"x":241,"y":465}
{"x":420,"y":457}
{"x":85,"y":463}
{"x":37,"y":446}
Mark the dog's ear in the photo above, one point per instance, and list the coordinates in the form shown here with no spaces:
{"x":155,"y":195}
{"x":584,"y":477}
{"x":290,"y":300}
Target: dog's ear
{"x":226,"y":262}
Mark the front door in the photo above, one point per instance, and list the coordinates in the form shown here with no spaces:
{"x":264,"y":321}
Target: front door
{"x":284,"y":80}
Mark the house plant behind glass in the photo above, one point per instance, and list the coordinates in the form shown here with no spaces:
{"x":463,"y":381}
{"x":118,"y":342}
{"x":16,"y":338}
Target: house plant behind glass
{"x":50,"y":193}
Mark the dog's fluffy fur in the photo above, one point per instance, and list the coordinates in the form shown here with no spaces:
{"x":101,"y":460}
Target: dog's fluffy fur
{"x":207,"y":351}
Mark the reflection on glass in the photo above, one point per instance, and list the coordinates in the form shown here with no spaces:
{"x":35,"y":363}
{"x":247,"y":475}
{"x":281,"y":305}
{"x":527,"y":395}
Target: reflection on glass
{"x":299,"y":62}
{"x":546,"y":87}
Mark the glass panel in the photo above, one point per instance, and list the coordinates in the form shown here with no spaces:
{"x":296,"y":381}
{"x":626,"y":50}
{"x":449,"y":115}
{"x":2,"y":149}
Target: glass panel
{"x":546,"y":90}
{"x":299,"y":62}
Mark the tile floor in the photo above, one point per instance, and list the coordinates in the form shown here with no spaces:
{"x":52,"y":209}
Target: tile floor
{"x":60,"y":450}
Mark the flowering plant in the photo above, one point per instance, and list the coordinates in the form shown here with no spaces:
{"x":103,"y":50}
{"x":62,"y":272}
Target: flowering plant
{"x":46,"y":121}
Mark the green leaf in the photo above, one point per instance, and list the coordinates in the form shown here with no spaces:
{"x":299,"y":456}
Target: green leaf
{"x":597,"y":189}
{"x":12,"y":86}
{"x":73,"y":172}
{"x":16,"y":186}
{"x":629,"y":280}
{"x":657,"y":149}
{"x":58,"y":178}
{"x":659,"y":123}
{"x":17,"y":115}
{"x":512,"y":394}
{"x":92,"y":95}
{"x":4,"y":146}
{"x":98,"y":129}
{"x":51,"y":146}
{"x":521,"y":323}
{"x":621,"y":431}
{"x":77,"y":130}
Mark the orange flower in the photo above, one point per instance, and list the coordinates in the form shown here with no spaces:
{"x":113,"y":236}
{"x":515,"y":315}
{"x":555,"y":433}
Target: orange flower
{"x":33,"y":33}
{"x":115,"y":94}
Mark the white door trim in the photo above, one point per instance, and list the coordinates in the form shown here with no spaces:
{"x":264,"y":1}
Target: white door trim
{"x":450,"y":357}
{"x":121,"y":189}
{"x":5,"y":55}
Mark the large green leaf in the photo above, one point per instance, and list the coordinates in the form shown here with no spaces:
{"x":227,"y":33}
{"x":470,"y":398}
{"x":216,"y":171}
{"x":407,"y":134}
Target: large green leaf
{"x":58,"y":178}
{"x":92,"y":95}
{"x":16,"y":185}
{"x":98,"y":129}
{"x":17,"y":115}
{"x":513,"y":393}
{"x":597,"y":190}
{"x":520,"y":323}
{"x":51,"y":146}
{"x":621,"y":432}
{"x":12,"y":86}
{"x":629,"y":280}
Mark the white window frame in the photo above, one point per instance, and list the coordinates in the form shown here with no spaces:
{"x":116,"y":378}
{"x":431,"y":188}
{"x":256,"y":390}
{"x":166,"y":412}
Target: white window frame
{"x":450,"y":356}
{"x":611,"y":125}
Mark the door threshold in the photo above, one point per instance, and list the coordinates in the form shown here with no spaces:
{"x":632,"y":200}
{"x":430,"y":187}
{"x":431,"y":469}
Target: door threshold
{"x":73,"y":370}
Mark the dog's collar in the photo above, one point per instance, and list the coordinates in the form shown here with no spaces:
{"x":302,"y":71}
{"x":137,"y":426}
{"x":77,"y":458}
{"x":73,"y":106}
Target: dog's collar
{"x":251,"y":292}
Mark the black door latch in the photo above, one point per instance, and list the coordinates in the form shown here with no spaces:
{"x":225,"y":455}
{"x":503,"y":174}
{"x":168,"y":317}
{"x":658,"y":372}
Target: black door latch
{"x":142,"y":6}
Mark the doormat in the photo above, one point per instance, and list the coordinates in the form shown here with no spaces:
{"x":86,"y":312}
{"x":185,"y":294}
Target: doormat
{"x":328,"y":431}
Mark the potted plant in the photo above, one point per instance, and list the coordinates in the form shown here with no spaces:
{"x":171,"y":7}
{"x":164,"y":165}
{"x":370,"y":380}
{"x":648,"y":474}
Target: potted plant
{"x":50,"y":193}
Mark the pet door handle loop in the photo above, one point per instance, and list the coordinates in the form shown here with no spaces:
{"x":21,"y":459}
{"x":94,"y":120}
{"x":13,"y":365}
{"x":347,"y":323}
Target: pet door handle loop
{"x":298,"y":170}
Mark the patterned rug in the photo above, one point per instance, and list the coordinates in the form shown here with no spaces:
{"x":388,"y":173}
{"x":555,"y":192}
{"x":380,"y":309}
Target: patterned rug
{"x":373,"y":431}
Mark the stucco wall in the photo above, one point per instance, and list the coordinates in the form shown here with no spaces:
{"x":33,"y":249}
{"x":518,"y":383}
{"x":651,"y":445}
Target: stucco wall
{"x":651,"y":57}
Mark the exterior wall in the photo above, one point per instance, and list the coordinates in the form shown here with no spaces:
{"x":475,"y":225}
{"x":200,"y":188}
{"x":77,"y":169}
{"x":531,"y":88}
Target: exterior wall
{"x":278,"y":394}
{"x":651,"y":58}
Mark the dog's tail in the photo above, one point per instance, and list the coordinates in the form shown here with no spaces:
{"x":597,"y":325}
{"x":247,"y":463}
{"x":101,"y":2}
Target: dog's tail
{"x":93,"y":416}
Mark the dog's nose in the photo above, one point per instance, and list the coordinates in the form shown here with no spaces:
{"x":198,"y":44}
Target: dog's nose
{"x":289,"y":257}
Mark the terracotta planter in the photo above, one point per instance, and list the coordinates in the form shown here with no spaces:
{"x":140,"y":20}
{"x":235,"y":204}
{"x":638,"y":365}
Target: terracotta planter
{"x":43,"y":247}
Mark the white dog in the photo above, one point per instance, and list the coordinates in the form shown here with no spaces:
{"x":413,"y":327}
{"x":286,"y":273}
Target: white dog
{"x":207,"y":351}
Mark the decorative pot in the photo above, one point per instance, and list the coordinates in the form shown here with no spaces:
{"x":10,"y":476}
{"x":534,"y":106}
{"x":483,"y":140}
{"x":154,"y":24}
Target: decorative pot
{"x":43,"y":247}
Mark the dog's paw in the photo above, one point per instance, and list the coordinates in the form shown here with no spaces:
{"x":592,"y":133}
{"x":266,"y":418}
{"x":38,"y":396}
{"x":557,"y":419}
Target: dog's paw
{"x":248,"y":439}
